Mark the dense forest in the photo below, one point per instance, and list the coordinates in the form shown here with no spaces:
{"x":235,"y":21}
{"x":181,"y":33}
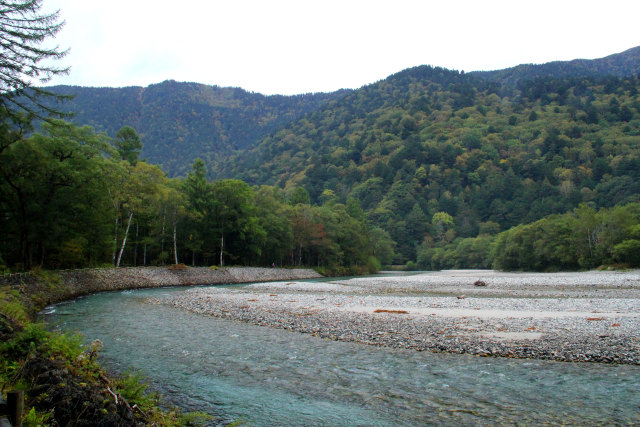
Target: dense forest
{"x":429,"y":168}
{"x":582,"y":239}
{"x":72,"y":197}
{"x":430,"y":140}
{"x":179,"y":122}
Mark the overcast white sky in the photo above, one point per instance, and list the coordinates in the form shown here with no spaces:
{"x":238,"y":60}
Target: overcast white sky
{"x":299,"y":46}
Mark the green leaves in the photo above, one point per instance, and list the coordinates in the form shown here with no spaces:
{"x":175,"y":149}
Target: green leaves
{"x":52,"y":195}
{"x":128,"y":144}
{"x":407,"y":157}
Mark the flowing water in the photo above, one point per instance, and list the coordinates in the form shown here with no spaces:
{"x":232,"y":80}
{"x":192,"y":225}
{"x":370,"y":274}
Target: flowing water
{"x":265,"y":376}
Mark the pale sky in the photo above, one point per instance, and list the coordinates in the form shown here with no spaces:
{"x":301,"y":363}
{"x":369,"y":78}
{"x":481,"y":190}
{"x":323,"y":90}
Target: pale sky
{"x":299,"y":46}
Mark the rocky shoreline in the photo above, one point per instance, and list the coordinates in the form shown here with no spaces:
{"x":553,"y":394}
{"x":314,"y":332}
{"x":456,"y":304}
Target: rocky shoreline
{"x":573,"y":317}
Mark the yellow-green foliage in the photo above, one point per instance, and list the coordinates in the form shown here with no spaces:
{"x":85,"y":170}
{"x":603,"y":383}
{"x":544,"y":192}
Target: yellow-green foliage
{"x":582,"y":239}
{"x":132,"y":387}
{"x":11,"y":306}
{"x":36,"y":419}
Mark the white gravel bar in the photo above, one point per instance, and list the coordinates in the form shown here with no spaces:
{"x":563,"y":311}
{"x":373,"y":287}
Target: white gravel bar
{"x":587,"y":316}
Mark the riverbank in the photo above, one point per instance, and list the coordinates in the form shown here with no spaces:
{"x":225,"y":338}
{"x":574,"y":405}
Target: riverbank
{"x":59,"y":375}
{"x":587,"y":317}
{"x":40,"y":290}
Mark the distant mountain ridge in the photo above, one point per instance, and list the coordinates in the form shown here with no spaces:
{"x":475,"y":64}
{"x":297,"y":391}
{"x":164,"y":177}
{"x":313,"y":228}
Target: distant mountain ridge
{"x":621,"y":64}
{"x":179,"y":122}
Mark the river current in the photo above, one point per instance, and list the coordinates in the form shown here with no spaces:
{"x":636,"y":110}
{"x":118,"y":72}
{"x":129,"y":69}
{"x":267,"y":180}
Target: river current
{"x":264,"y":376}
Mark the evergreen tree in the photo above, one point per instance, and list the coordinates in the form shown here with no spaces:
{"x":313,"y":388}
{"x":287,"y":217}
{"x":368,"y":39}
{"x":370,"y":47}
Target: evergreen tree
{"x":128,"y":144}
{"x":23,"y":30}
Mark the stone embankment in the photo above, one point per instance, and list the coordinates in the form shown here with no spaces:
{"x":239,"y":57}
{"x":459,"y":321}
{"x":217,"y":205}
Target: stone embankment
{"x":64,"y":285}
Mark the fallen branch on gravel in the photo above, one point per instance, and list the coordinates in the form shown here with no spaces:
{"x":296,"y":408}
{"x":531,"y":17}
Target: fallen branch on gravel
{"x":380,"y":310}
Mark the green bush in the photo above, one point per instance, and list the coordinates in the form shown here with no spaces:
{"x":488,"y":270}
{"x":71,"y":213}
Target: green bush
{"x":24,"y":342}
{"x":35,"y":419}
{"x":132,"y":387}
{"x":373,"y":265}
{"x":627,"y":252}
{"x":68,"y":347}
{"x":411,"y":266}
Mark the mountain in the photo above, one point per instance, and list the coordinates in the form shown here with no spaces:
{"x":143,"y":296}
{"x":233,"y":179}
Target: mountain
{"x":179,"y":122}
{"x":489,"y":150}
{"x":622,"y":64}
{"x":429,"y":140}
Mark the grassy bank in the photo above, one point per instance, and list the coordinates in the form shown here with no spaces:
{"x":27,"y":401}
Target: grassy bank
{"x":63,"y":381}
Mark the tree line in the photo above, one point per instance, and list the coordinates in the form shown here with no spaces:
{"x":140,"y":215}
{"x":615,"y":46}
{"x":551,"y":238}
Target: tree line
{"x":72,"y":197}
{"x":584,"y":238}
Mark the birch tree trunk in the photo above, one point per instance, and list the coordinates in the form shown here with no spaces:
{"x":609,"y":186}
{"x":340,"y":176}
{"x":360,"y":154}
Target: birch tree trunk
{"x":124,"y":239}
{"x":175,"y":244}
{"x":135,"y":247}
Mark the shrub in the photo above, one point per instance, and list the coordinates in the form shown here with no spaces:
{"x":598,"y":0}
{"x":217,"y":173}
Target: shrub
{"x":411,"y":266}
{"x":627,"y":252}
{"x":373,"y":265}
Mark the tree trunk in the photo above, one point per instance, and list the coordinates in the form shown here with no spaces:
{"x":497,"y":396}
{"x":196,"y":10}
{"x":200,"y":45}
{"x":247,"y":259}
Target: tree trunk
{"x":175,"y":244}
{"x":30,"y":255}
{"x":144,"y":255}
{"x":135,"y":247}
{"x":124,"y":239}
{"x":24,"y":234}
{"x":221,"y":249}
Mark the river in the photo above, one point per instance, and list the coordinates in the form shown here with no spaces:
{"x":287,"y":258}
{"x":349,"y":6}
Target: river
{"x":265,"y":376}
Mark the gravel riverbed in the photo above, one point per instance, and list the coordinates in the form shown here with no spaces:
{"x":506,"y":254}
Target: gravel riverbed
{"x":587,"y":316}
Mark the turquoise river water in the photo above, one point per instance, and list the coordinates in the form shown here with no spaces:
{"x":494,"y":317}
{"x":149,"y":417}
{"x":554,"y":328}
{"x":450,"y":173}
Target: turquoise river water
{"x":265,"y":376}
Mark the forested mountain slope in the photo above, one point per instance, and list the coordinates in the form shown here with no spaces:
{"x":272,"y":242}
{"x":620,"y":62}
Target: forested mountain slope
{"x":621,"y":64}
{"x":429,"y":140}
{"x":179,"y":122}
{"x":492,"y":150}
